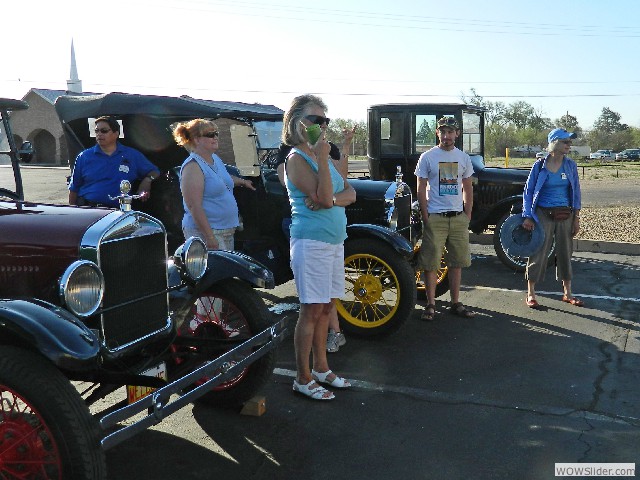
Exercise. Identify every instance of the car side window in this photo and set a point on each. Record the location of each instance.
(471, 137)
(424, 133)
(391, 133)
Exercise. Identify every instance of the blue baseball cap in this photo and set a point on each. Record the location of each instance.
(560, 134)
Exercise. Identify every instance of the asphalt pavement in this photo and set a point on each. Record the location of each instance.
(505, 395)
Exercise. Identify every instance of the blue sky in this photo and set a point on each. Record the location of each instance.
(574, 56)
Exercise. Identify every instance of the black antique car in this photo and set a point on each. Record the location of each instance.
(381, 291)
(400, 133)
(92, 306)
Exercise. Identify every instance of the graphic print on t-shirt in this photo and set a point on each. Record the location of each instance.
(448, 178)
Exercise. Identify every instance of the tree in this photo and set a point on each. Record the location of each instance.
(569, 123)
(609, 122)
(609, 132)
(335, 134)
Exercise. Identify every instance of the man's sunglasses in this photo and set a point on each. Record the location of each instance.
(318, 119)
(102, 130)
(210, 134)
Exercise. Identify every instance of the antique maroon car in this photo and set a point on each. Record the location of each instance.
(92, 306)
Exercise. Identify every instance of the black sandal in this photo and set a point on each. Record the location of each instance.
(428, 313)
(460, 310)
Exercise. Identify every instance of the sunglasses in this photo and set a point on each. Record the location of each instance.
(102, 130)
(210, 134)
(318, 119)
(566, 142)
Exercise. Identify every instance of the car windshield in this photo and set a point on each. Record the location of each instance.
(6, 173)
(268, 134)
(4, 142)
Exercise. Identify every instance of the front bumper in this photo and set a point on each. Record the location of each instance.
(159, 405)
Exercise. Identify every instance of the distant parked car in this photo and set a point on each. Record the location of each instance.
(628, 154)
(541, 155)
(601, 155)
(524, 150)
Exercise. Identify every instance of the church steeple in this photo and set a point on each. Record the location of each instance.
(74, 84)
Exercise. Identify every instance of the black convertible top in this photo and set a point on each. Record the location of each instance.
(73, 107)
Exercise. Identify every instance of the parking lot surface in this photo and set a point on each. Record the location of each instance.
(504, 395)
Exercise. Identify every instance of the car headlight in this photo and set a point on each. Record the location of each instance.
(82, 288)
(191, 258)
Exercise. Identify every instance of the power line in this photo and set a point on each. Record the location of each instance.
(458, 24)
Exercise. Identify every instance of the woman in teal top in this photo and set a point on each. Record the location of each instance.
(318, 194)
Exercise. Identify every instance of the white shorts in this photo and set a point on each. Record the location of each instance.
(318, 270)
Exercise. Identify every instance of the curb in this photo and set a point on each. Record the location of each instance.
(579, 245)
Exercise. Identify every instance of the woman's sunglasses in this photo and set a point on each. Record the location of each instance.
(318, 119)
(210, 134)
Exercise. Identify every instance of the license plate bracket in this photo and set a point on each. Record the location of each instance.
(136, 392)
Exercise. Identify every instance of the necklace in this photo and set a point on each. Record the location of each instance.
(211, 165)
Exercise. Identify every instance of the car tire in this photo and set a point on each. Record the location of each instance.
(46, 430)
(227, 311)
(380, 292)
(517, 264)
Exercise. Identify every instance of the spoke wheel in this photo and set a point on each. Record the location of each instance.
(442, 280)
(228, 311)
(46, 430)
(380, 289)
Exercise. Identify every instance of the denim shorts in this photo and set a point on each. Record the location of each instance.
(318, 270)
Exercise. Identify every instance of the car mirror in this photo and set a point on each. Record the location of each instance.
(26, 152)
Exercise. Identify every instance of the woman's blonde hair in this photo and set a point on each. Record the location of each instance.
(553, 146)
(293, 131)
(185, 132)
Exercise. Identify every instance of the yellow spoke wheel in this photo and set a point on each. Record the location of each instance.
(380, 289)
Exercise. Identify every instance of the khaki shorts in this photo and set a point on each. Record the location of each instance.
(440, 232)
(224, 237)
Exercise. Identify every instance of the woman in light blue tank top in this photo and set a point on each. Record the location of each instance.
(318, 194)
(210, 209)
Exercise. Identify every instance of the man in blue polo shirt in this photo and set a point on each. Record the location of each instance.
(99, 170)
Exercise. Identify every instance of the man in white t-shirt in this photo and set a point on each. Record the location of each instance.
(445, 195)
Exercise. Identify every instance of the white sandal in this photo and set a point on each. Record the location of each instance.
(317, 393)
(337, 382)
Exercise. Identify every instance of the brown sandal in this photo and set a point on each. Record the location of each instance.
(460, 310)
(428, 313)
(573, 301)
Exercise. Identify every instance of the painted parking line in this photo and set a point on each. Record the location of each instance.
(468, 288)
(473, 399)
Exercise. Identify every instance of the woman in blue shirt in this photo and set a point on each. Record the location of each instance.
(318, 194)
(210, 209)
(552, 201)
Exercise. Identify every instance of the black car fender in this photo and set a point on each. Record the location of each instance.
(223, 264)
(512, 204)
(399, 243)
(54, 332)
